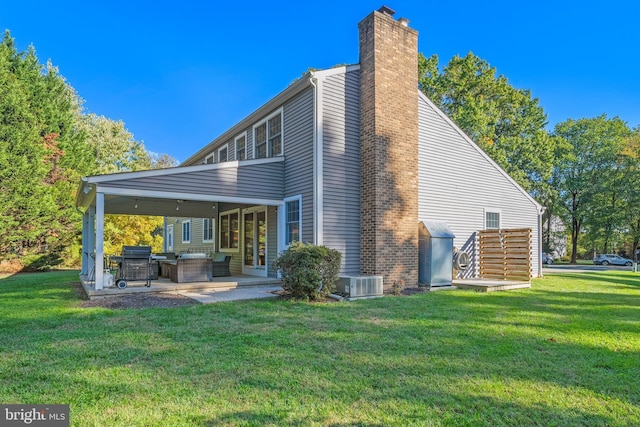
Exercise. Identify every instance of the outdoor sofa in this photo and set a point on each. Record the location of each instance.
(197, 267)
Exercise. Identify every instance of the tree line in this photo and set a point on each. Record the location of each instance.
(47, 143)
(585, 171)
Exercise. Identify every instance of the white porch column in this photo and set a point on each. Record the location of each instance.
(91, 241)
(282, 228)
(99, 240)
(85, 244)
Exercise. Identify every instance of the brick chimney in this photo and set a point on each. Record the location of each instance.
(388, 148)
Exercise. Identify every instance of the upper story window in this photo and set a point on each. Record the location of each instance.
(491, 219)
(275, 136)
(241, 147)
(267, 136)
(223, 153)
(209, 159)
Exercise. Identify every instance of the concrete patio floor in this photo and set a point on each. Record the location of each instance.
(225, 288)
(208, 296)
(488, 285)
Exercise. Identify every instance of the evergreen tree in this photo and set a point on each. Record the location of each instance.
(46, 144)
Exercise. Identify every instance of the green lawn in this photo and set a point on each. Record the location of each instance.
(565, 352)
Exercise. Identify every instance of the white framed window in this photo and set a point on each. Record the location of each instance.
(207, 230)
(492, 219)
(223, 153)
(229, 226)
(267, 136)
(293, 219)
(241, 147)
(209, 159)
(186, 231)
(260, 140)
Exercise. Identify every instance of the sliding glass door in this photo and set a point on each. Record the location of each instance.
(254, 247)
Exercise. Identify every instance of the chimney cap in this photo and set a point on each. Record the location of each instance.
(387, 10)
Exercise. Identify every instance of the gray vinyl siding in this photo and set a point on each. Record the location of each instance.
(341, 164)
(298, 152)
(218, 181)
(457, 183)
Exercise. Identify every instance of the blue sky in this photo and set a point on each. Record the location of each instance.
(181, 73)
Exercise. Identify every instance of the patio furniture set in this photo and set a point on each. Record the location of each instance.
(195, 267)
(137, 263)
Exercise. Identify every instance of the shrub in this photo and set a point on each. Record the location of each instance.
(308, 271)
(397, 287)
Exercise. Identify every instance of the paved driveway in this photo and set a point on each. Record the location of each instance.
(579, 268)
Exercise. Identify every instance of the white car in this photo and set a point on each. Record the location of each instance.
(613, 259)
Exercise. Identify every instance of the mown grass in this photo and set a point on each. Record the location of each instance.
(565, 352)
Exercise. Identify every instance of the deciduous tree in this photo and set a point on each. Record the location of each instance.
(587, 174)
(116, 150)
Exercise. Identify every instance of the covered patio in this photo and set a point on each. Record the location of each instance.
(194, 191)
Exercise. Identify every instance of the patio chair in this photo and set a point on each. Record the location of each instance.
(221, 265)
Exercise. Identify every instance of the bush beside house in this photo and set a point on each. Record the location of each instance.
(308, 271)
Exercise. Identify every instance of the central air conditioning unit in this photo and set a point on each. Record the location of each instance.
(360, 286)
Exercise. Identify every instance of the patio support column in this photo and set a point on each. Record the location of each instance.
(85, 244)
(282, 228)
(99, 240)
(91, 240)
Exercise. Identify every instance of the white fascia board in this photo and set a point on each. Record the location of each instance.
(480, 150)
(335, 71)
(84, 198)
(130, 192)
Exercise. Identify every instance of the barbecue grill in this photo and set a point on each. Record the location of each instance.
(134, 264)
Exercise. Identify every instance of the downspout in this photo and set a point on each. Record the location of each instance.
(83, 261)
(318, 178)
(539, 255)
(164, 234)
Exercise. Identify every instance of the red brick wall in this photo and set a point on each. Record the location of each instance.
(389, 149)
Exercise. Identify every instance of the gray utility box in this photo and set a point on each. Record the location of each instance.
(435, 251)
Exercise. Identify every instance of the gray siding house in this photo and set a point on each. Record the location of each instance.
(352, 157)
